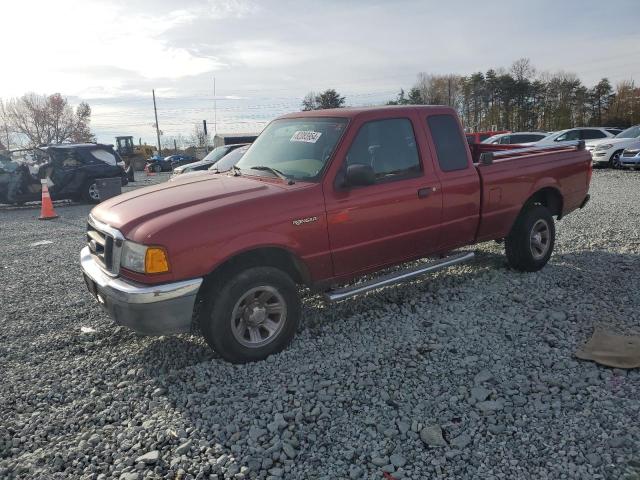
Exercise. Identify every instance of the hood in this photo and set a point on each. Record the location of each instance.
(188, 192)
(611, 140)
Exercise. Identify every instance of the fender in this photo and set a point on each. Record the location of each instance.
(246, 243)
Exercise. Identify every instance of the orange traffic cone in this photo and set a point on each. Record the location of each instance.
(47, 212)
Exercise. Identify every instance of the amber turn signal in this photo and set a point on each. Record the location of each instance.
(156, 261)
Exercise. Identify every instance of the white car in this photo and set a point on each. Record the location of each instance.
(580, 133)
(608, 151)
(630, 158)
(519, 138)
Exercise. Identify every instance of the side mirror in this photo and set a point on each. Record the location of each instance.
(359, 175)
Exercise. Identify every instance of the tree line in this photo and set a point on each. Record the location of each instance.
(519, 99)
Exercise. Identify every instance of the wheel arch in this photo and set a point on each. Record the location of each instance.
(263, 256)
(549, 197)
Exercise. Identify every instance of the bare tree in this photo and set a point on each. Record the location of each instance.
(198, 137)
(6, 131)
(309, 102)
(173, 142)
(45, 120)
(522, 69)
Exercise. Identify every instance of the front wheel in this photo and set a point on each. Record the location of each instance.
(614, 161)
(530, 243)
(251, 314)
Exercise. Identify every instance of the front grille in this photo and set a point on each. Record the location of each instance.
(101, 246)
(105, 244)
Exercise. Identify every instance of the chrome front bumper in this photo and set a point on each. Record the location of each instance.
(147, 309)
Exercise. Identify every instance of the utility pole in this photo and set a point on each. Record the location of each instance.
(215, 109)
(155, 112)
(175, 146)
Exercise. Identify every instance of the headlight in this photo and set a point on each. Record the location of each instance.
(605, 146)
(143, 259)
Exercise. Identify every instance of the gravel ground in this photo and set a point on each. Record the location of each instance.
(469, 374)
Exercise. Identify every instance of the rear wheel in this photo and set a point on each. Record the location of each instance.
(251, 314)
(90, 193)
(531, 240)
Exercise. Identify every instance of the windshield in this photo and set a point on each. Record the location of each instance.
(631, 132)
(216, 154)
(229, 160)
(297, 147)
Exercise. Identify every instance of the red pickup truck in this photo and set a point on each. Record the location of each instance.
(320, 199)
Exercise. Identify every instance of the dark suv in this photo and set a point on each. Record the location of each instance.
(71, 168)
(179, 160)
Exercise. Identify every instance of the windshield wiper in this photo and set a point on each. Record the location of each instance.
(275, 172)
(236, 170)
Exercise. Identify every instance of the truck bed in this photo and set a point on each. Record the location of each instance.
(515, 174)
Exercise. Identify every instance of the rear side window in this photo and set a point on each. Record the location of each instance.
(591, 134)
(104, 156)
(388, 146)
(526, 138)
(450, 148)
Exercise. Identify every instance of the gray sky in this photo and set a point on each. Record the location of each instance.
(266, 55)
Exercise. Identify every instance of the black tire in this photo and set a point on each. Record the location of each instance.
(523, 251)
(614, 161)
(89, 190)
(130, 175)
(124, 180)
(222, 333)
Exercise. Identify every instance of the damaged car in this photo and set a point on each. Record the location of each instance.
(71, 171)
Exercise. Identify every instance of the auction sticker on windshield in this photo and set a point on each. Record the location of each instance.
(306, 136)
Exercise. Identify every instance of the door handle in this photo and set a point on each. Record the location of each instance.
(425, 192)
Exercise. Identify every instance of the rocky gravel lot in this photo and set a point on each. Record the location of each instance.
(469, 373)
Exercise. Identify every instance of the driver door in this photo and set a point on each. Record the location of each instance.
(396, 218)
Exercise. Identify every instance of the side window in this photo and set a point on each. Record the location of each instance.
(570, 135)
(104, 156)
(387, 146)
(450, 149)
(591, 134)
(524, 138)
(68, 158)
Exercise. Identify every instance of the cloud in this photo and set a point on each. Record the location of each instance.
(270, 53)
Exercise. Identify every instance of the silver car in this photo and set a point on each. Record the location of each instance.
(630, 158)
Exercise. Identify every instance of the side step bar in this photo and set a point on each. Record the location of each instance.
(396, 277)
